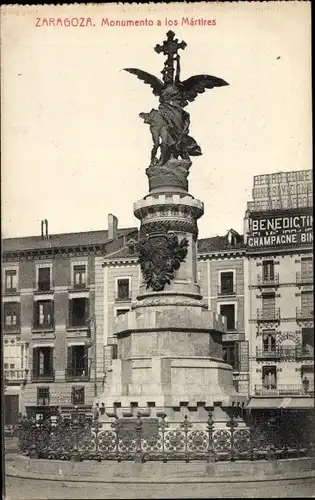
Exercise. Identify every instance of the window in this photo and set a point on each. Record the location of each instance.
(307, 302)
(228, 351)
(43, 396)
(228, 310)
(269, 305)
(44, 314)
(78, 361)
(268, 267)
(12, 366)
(119, 312)
(123, 289)
(77, 396)
(10, 280)
(306, 267)
(227, 283)
(43, 362)
(79, 276)
(6, 366)
(43, 283)
(269, 340)
(11, 315)
(308, 339)
(79, 312)
(269, 377)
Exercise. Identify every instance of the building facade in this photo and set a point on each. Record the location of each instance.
(278, 275)
(53, 318)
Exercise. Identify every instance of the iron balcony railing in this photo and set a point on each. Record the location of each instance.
(304, 278)
(123, 297)
(304, 313)
(44, 286)
(47, 325)
(279, 352)
(270, 281)
(11, 291)
(75, 373)
(282, 390)
(268, 315)
(284, 353)
(84, 285)
(48, 376)
(12, 328)
(226, 290)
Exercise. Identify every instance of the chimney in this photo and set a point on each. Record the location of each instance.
(112, 227)
(44, 229)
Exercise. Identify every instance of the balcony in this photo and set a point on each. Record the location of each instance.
(77, 325)
(77, 287)
(15, 375)
(12, 328)
(268, 315)
(43, 287)
(304, 314)
(268, 281)
(49, 376)
(77, 374)
(304, 279)
(44, 327)
(277, 353)
(123, 298)
(283, 390)
(11, 291)
(302, 353)
(226, 291)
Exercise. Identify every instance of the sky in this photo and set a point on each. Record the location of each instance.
(73, 146)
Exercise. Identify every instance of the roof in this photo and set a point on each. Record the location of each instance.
(207, 245)
(62, 240)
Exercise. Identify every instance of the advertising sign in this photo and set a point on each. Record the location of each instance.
(272, 231)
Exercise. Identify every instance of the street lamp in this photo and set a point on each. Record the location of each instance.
(306, 384)
(89, 342)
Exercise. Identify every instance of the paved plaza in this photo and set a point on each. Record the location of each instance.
(29, 489)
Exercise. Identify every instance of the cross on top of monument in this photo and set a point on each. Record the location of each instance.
(170, 49)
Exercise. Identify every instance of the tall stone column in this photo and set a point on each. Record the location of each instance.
(170, 343)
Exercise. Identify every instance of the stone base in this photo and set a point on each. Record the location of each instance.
(169, 358)
(155, 472)
(171, 177)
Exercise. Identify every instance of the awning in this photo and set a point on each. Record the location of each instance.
(285, 403)
(265, 403)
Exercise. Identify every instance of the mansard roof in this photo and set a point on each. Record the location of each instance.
(63, 240)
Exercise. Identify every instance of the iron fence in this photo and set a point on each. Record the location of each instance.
(142, 439)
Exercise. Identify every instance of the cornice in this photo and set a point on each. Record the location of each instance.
(51, 253)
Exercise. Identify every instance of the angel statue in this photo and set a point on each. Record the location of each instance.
(169, 124)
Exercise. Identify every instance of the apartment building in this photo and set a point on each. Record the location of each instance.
(279, 307)
(53, 318)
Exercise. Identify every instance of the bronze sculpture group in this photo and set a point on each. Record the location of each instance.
(169, 124)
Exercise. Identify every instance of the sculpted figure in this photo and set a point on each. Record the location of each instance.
(169, 124)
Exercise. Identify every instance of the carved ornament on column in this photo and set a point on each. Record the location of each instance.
(160, 256)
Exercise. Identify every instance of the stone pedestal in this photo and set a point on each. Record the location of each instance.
(169, 344)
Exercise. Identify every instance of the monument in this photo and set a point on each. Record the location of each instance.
(170, 344)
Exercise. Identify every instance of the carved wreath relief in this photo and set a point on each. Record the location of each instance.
(160, 256)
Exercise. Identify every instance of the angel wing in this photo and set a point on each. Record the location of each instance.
(154, 82)
(198, 84)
